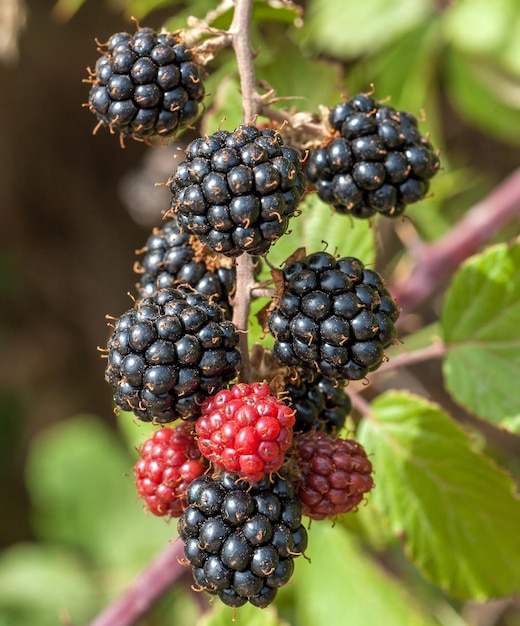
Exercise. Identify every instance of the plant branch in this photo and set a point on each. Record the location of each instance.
(240, 31)
(241, 306)
(437, 261)
(146, 589)
(434, 351)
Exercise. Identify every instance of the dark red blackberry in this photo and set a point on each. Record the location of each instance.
(171, 259)
(335, 474)
(245, 430)
(320, 402)
(146, 84)
(169, 462)
(168, 353)
(240, 538)
(374, 161)
(236, 191)
(334, 315)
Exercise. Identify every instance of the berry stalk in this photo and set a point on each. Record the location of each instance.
(437, 261)
(146, 589)
(240, 30)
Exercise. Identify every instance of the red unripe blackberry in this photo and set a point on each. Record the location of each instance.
(146, 84)
(335, 474)
(334, 315)
(171, 258)
(245, 430)
(241, 538)
(237, 190)
(169, 462)
(168, 353)
(374, 161)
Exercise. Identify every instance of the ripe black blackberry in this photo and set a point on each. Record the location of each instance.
(334, 315)
(241, 538)
(146, 84)
(237, 190)
(320, 402)
(168, 353)
(171, 259)
(374, 161)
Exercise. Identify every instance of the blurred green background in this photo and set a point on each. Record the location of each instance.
(75, 207)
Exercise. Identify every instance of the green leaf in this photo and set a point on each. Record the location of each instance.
(226, 108)
(348, 29)
(456, 512)
(343, 585)
(319, 227)
(480, 322)
(80, 480)
(491, 20)
(38, 583)
(484, 95)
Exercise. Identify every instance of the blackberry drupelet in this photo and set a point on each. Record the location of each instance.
(335, 315)
(375, 160)
(240, 538)
(146, 84)
(245, 430)
(171, 259)
(168, 353)
(320, 402)
(335, 474)
(237, 190)
(168, 463)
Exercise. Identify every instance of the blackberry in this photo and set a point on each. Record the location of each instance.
(171, 258)
(320, 402)
(241, 538)
(146, 84)
(236, 191)
(245, 430)
(335, 315)
(374, 161)
(335, 474)
(168, 462)
(168, 353)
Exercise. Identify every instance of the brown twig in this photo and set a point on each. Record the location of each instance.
(145, 590)
(240, 31)
(437, 261)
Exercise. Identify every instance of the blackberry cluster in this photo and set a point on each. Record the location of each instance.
(168, 463)
(241, 538)
(146, 84)
(237, 190)
(171, 258)
(320, 403)
(375, 161)
(335, 315)
(170, 352)
(335, 475)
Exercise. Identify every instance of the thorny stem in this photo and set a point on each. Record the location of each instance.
(240, 31)
(437, 261)
(145, 590)
(434, 351)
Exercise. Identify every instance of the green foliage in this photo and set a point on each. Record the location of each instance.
(480, 325)
(447, 502)
(357, 590)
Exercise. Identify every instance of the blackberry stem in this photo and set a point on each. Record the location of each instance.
(240, 30)
(146, 589)
(437, 261)
(434, 351)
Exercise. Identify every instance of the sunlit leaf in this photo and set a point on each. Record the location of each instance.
(455, 511)
(480, 322)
